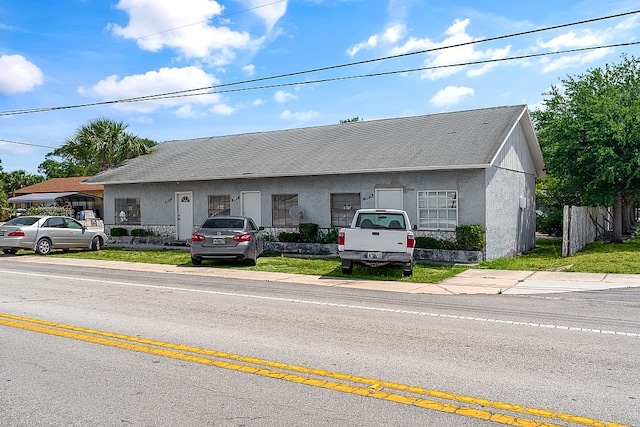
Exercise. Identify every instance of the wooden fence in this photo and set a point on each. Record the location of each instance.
(582, 225)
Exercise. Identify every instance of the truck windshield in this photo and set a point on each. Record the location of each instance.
(378, 220)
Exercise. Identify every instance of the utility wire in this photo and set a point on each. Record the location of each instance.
(190, 92)
(181, 94)
(26, 143)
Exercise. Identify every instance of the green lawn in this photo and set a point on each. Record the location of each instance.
(598, 257)
(422, 273)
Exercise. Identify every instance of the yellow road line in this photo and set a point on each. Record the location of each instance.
(373, 387)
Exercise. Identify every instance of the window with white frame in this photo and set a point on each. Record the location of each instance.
(343, 208)
(219, 205)
(438, 210)
(280, 206)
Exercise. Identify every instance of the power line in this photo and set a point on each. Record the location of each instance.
(190, 92)
(26, 143)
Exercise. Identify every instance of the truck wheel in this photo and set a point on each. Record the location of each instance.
(408, 270)
(347, 267)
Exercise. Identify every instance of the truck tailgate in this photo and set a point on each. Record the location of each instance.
(381, 240)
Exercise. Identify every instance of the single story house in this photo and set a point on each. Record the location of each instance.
(70, 192)
(447, 169)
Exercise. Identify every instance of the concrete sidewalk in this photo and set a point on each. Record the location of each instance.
(472, 281)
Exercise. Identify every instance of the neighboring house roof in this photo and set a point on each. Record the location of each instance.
(47, 197)
(57, 185)
(456, 140)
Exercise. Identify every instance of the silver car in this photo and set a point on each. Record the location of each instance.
(227, 238)
(42, 234)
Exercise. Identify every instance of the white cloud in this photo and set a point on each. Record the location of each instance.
(183, 26)
(270, 13)
(186, 112)
(223, 109)
(258, 102)
(282, 96)
(584, 39)
(165, 80)
(388, 37)
(456, 34)
(451, 95)
(572, 40)
(249, 70)
(18, 75)
(300, 117)
(575, 60)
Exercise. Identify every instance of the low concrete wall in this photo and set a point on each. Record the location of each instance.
(302, 248)
(310, 249)
(448, 256)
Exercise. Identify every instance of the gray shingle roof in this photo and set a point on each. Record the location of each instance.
(463, 139)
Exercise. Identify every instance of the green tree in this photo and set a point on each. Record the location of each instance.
(96, 146)
(590, 137)
(19, 179)
(355, 119)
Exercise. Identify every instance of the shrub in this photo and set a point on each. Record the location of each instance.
(289, 237)
(449, 245)
(329, 236)
(308, 232)
(426, 242)
(470, 237)
(50, 210)
(140, 232)
(118, 232)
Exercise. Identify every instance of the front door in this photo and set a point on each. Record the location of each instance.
(184, 215)
(251, 207)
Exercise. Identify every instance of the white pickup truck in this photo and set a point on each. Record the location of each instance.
(377, 237)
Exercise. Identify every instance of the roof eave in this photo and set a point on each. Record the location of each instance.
(302, 173)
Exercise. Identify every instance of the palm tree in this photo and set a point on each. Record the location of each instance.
(99, 145)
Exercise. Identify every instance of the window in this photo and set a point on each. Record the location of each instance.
(438, 209)
(55, 222)
(219, 205)
(127, 211)
(280, 206)
(343, 207)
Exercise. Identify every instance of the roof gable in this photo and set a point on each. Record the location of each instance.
(455, 140)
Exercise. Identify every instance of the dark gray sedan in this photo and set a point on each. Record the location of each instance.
(227, 238)
(42, 234)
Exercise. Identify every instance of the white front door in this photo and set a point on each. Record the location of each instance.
(250, 206)
(389, 198)
(184, 215)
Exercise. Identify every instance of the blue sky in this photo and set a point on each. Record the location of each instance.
(61, 53)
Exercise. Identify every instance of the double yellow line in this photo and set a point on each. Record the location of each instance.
(435, 400)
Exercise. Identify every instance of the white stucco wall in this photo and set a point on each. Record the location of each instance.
(511, 222)
(158, 204)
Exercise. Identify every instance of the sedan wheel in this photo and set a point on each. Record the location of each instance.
(96, 244)
(10, 251)
(43, 247)
(196, 260)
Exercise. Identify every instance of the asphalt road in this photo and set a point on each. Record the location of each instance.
(105, 347)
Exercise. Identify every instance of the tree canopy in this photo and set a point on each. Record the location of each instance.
(96, 146)
(589, 132)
